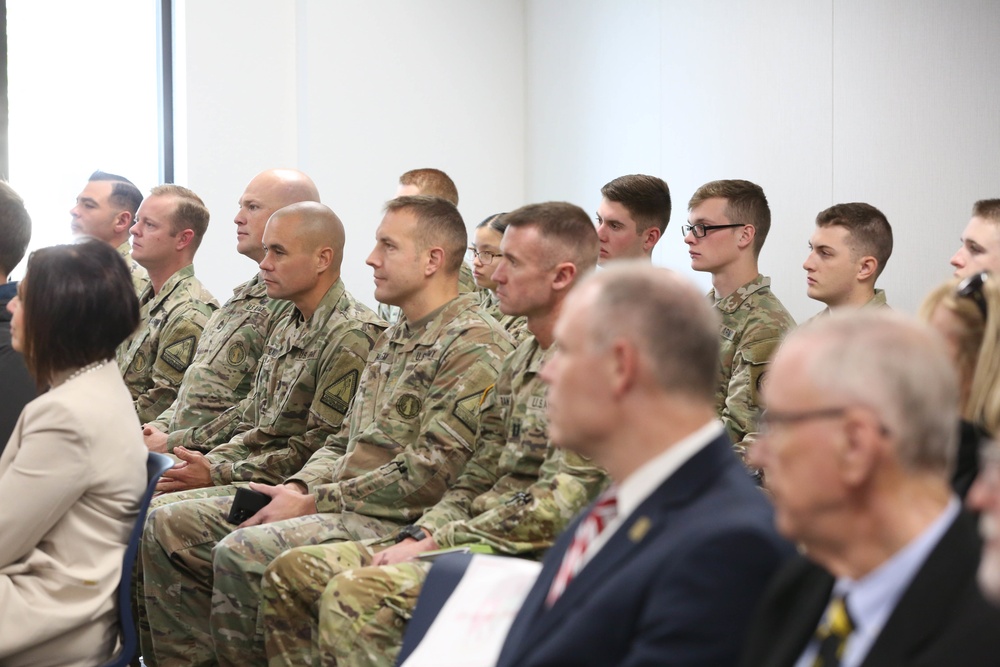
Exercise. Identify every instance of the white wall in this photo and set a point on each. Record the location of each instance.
(353, 94)
(820, 102)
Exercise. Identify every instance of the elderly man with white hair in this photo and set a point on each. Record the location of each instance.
(857, 447)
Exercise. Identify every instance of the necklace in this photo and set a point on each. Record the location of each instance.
(92, 366)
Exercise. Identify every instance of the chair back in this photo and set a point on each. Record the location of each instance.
(156, 465)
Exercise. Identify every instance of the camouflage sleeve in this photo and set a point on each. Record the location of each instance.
(322, 465)
(223, 429)
(162, 423)
(743, 404)
(529, 521)
(433, 457)
(480, 473)
(336, 382)
(177, 343)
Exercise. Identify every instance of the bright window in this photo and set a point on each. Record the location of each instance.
(83, 96)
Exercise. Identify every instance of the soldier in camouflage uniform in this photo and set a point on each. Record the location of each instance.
(632, 217)
(407, 436)
(728, 222)
(847, 253)
(222, 372)
(174, 307)
(515, 496)
(484, 254)
(433, 183)
(106, 210)
(308, 372)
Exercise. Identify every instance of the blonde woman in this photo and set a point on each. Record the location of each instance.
(967, 315)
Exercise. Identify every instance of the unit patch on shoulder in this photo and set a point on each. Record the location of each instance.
(339, 394)
(236, 354)
(178, 355)
(467, 411)
(139, 362)
(408, 406)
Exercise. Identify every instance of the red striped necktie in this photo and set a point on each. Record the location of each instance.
(601, 514)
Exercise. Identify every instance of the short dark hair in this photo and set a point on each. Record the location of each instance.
(438, 224)
(78, 303)
(988, 209)
(646, 198)
(870, 233)
(124, 194)
(565, 223)
(191, 212)
(15, 228)
(433, 182)
(745, 205)
(495, 222)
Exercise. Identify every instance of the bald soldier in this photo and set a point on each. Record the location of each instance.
(409, 433)
(308, 371)
(233, 341)
(174, 307)
(516, 495)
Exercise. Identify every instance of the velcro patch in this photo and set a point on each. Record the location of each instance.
(728, 333)
(408, 406)
(236, 354)
(467, 410)
(179, 355)
(139, 362)
(339, 394)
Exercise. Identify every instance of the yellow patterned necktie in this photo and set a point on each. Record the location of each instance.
(832, 634)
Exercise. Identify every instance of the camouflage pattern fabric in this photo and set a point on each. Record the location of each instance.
(222, 372)
(307, 379)
(139, 276)
(153, 359)
(516, 495)
(516, 326)
(412, 423)
(753, 324)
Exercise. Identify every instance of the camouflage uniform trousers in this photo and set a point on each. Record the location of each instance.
(138, 595)
(201, 576)
(327, 605)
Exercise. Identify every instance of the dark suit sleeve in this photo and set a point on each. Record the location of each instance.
(699, 606)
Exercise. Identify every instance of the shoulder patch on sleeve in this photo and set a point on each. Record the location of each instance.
(178, 355)
(467, 410)
(339, 394)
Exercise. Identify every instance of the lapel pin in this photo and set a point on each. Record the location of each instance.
(639, 529)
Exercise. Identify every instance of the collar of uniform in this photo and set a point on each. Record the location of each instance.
(155, 301)
(732, 303)
(425, 330)
(317, 323)
(125, 250)
(255, 288)
(878, 299)
(539, 357)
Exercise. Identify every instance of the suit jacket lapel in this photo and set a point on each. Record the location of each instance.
(804, 607)
(628, 540)
(923, 609)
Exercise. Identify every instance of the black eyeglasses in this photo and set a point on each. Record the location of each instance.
(972, 288)
(769, 419)
(701, 230)
(484, 256)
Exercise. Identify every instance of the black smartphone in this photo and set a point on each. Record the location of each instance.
(246, 503)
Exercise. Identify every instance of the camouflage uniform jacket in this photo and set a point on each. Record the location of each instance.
(139, 276)
(222, 372)
(413, 425)
(307, 378)
(466, 283)
(516, 326)
(753, 324)
(518, 492)
(877, 301)
(153, 360)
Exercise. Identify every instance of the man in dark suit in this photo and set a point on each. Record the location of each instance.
(667, 568)
(858, 444)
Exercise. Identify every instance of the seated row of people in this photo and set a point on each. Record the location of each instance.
(399, 436)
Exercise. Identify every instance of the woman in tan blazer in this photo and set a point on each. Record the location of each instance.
(74, 469)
